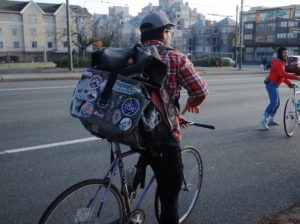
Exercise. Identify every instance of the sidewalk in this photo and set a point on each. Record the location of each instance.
(7, 75)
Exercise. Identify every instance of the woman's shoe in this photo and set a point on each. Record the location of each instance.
(263, 125)
(273, 122)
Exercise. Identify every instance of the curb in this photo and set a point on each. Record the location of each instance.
(75, 75)
(35, 77)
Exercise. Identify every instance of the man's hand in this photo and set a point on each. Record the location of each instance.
(189, 108)
(182, 122)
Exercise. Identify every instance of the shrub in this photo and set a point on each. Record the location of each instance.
(62, 62)
(210, 62)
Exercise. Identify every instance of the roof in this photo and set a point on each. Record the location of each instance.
(198, 24)
(81, 11)
(15, 6)
(12, 6)
(226, 22)
(49, 8)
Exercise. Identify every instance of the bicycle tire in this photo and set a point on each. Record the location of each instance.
(193, 175)
(290, 118)
(71, 205)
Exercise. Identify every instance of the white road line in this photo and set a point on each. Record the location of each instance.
(49, 145)
(234, 79)
(37, 88)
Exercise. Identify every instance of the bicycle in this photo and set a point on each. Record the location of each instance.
(291, 118)
(100, 201)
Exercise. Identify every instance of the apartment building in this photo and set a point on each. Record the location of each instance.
(265, 29)
(215, 40)
(31, 31)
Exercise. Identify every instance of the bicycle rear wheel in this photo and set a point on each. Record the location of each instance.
(81, 203)
(191, 186)
(290, 119)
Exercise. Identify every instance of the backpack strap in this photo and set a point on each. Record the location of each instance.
(108, 88)
(113, 77)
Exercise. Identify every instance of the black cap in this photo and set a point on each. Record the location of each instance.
(154, 21)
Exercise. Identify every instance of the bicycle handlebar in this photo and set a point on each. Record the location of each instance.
(199, 125)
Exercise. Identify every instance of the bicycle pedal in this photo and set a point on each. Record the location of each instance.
(137, 216)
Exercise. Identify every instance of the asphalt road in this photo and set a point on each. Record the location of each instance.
(248, 173)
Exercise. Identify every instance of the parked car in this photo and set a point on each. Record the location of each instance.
(293, 64)
(228, 61)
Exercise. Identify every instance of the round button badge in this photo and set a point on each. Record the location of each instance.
(125, 124)
(130, 106)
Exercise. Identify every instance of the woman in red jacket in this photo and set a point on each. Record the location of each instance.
(276, 76)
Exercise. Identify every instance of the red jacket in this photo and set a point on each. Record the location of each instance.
(278, 75)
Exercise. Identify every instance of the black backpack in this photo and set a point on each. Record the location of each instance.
(113, 97)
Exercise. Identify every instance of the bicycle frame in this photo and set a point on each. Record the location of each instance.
(294, 98)
(111, 173)
(291, 114)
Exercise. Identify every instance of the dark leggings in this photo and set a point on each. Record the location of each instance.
(167, 168)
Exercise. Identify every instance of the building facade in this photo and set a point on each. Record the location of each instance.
(265, 29)
(31, 31)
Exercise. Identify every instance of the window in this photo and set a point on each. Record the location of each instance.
(291, 35)
(16, 44)
(260, 27)
(281, 35)
(271, 38)
(33, 32)
(50, 45)
(65, 32)
(1, 44)
(0, 30)
(283, 24)
(33, 18)
(14, 31)
(248, 37)
(292, 23)
(271, 27)
(65, 44)
(34, 44)
(249, 26)
(259, 38)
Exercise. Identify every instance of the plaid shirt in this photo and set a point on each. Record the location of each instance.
(181, 73)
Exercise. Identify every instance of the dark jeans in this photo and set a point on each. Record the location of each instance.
(167, 167)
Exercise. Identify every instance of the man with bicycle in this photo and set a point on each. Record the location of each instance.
(156, 30)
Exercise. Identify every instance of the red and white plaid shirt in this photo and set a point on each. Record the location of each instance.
(181, 73)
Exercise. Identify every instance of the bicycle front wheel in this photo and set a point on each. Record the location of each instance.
(290, 118)
(89, 201)
(191, 186)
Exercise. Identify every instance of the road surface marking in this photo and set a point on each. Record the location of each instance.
(37, 88)
(25, 149)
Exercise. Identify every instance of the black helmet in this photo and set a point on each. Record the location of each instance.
(155, 20)
(279, 52)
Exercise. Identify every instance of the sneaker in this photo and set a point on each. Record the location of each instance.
(273, 122)
(263, 125)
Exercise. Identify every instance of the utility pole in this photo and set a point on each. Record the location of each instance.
(236, 35)
(70, 59)
(77, 31)
(241, 35)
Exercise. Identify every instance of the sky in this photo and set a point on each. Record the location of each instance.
(215, 10)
